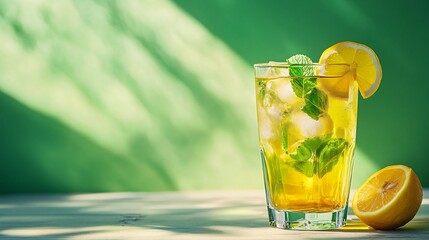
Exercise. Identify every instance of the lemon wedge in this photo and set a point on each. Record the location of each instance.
(388, 199)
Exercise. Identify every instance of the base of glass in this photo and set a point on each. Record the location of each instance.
(307, 221)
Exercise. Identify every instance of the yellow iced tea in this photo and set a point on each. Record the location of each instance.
(307, 139)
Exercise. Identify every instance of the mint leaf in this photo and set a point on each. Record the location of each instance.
(262, 85)
(284, 139)
(314, 143)
(301, 65)
(302, 86)
(329, 153)
(315, 103)
(300, 59)
(304, 167)
(303, 153)
(308, 148)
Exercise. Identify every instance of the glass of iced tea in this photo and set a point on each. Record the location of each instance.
(307, 137)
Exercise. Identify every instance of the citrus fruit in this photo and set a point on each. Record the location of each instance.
(390, 198)
(364, 65)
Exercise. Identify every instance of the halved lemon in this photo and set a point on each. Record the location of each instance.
(388, 199)
(364, 64)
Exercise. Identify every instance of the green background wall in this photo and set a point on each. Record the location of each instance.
(157, 95)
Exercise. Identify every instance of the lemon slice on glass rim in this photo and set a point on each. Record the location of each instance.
(364, 64)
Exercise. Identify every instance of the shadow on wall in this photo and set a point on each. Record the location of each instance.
(156, 95)
(41, 154)
(119, 96)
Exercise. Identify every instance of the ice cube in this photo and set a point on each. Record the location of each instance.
(282, 91)
(270, 85)
(268, 100)
(265, 126)
(285, 92)
(275, 111)
(268, 96)
(278, 70)
(276, 108)
(271, 72)
(266, 130)
(303, 125)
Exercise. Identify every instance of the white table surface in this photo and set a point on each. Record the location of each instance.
(169, 215)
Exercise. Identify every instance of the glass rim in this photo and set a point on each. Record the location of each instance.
(286, 65)
(321, 70)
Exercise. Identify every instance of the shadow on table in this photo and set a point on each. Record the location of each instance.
(416, 229)
(414, 226)
(107, 215)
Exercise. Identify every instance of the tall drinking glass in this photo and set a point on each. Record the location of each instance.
(307, 133)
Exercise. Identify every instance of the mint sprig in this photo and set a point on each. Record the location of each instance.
(316, 101)
(318, 155)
